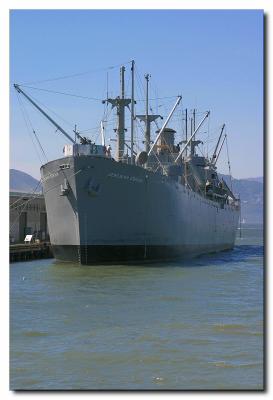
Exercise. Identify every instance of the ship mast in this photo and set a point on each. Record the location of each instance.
(147, 118)
(120, 103)
(194, 142)
(186, 139)
(132, 110)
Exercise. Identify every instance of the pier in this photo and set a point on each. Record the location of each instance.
(31, 251)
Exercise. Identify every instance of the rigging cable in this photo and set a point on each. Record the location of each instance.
(142, 92)
(140, 84)
(89, 97)
(169, 148)
(23, 195)
(158, 98)
(34, 132)
(28, 127)
(62, 93)
(57, 115)
(79, 73)
(24, 207)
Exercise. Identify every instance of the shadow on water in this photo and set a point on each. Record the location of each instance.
(238, 254)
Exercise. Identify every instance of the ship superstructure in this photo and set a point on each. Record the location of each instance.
(163, 202)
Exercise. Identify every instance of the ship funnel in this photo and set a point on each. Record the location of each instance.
(166, 140)
(141, 158)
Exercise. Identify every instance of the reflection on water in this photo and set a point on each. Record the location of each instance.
(195, 324)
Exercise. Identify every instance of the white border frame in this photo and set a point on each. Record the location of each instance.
(5, 6)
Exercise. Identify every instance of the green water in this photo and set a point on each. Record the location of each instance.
(183, 325)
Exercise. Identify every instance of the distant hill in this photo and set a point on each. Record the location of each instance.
(22, 182)
(258, 179)
(251, 194)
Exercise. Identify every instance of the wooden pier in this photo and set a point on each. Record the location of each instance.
(31, 251)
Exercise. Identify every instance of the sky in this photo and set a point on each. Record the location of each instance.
(214, 59)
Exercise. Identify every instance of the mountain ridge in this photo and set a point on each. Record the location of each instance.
(20, 181)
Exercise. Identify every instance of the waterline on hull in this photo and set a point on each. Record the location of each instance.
(112, 254)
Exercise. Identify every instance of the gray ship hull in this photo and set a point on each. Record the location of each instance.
(103, 211)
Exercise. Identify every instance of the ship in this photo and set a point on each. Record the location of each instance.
(163, 202)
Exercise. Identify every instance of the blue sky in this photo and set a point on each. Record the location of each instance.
(213, 58)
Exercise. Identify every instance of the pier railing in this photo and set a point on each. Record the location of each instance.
(31, 251)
